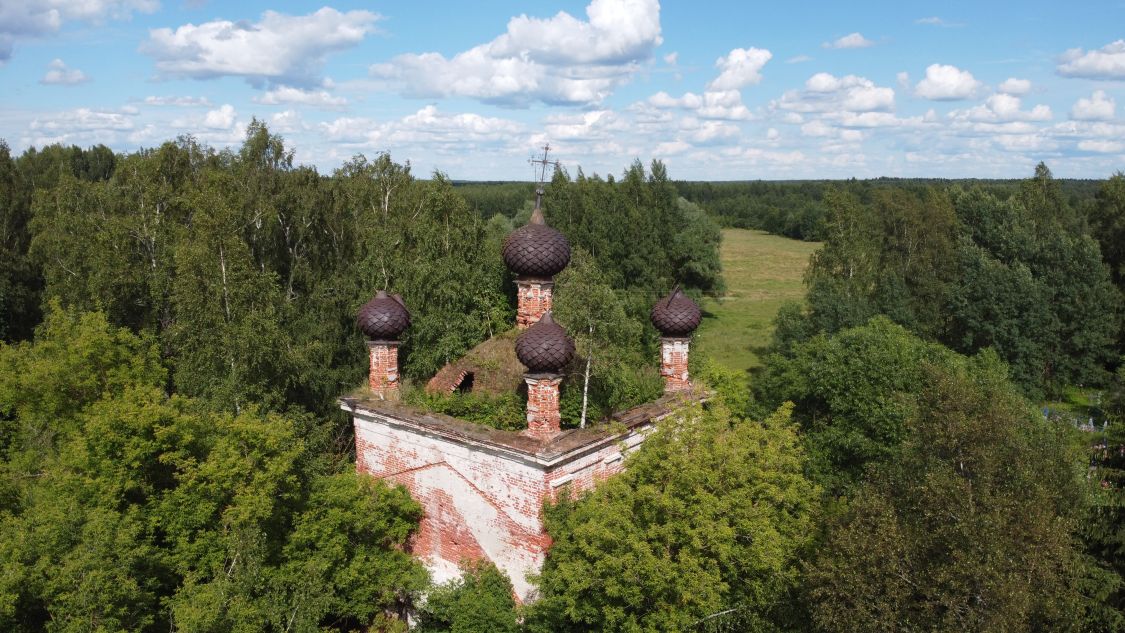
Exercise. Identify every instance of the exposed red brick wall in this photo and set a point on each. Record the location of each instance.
(534, 297)
(674, 364)
(479, 503)
(543, 418)
(383, 378)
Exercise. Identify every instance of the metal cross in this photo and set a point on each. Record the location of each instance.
(542, 164)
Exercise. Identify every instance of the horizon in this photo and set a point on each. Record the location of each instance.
(718, 92)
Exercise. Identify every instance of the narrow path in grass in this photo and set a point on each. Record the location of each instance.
(762, 271)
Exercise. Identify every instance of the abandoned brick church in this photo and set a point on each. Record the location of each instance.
(483, 489)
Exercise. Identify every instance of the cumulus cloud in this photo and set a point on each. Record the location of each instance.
(80, 125)
(851, 40)
(58, 74)
(1014, 86)
(672, 58)
(712, 104)
(1002, 108)
(740, 68)
(827, 93)
(1099, 107)
(1107, 62)
(947, 83)
(279, 48)
(221, 118)
(556, 60)
(316, 98)
(22, 19)
(427, 128)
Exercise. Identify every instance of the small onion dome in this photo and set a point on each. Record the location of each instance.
(545, 347)
(536, 250)
(676, 314)
(383, 318)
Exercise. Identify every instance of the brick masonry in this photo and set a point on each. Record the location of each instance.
(543, 417)
(383, 378)
(534, 299)
(481, 500)
(674, 363)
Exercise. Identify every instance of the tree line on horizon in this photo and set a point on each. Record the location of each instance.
(179, 321)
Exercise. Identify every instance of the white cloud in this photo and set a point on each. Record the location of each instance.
(286, 122)
(221, 118)
(798, 59)
(186, 102)
(1107, 62)
(84, 119)
(947, 83)
(1102, 147)
(772, 134)
(721, 104)
(827, 93)
(584, 126)
(315, 98)
(557, 60)
(1014, 86)
(21, 19)
(671, 148)
(1002, 108)
(740, 68)
(851, 40)
(58, 74)
(1098, 107)
(279, 48)
(671, 58)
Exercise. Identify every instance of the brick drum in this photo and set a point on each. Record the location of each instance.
(383, 378)
(543, 418)
(534, 297)
(674, 363)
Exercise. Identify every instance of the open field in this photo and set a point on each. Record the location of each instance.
(762, 271)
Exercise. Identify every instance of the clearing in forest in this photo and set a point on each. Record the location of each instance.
(762, 271)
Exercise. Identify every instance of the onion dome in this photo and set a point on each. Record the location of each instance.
(676, 314)
(383, 318)
(545, 347)
(536, 250)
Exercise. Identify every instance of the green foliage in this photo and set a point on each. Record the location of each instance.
(853, 395)
(972, 270)
(968, 528)
(1104, 529)
(609, 343)
(480, 601)
(506, 412)
(1108, 225)
(708, 518)
(122, 508)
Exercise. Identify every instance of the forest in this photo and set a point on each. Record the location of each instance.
(177, 324)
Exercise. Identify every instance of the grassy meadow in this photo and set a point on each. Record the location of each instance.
(762, 271)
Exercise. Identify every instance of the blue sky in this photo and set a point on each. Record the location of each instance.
(718, 90)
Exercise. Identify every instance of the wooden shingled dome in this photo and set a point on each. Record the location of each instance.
(385, 317)
(545, 347)
(536, 250)
(676, 314)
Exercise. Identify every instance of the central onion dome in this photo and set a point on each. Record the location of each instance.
(545, 347)
(383, 318)
(676, 314)
(535, 249)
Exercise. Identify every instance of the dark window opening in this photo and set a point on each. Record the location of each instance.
(466, 385)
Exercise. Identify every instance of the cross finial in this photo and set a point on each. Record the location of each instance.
(541, 164)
